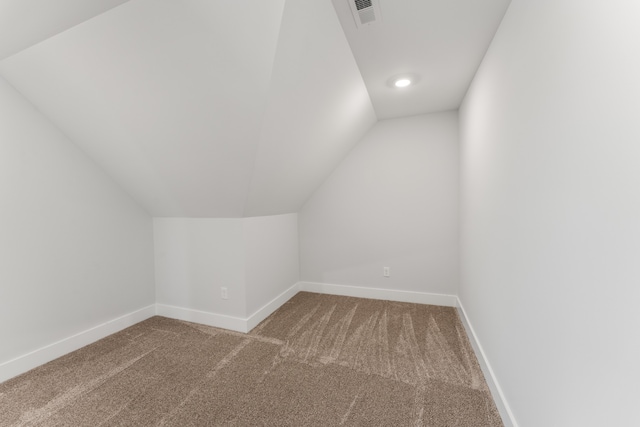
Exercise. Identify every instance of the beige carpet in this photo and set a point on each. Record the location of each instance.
(320, 360)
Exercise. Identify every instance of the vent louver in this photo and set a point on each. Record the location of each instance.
(365, 12)
(363, 4)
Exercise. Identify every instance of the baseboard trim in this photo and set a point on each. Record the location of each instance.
(257, 317)
(496, 391)
(239, 324)
(216, 320)
(380, 294)
(24, 363)
(203, 317)
(53, 351)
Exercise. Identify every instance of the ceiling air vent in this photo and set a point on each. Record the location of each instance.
(365, 12)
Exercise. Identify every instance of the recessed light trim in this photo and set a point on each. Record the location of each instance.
(403, 81)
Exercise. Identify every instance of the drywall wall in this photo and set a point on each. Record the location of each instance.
(75, 250)
(271, 258)
(393, 201)
(195, 258)
(550, 211)
(255, 259)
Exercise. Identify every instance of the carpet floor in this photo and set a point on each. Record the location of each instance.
(320, 360)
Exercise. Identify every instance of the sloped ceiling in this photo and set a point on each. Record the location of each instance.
(318, 109)
(24, 23)
(181, 101)
(207, 108)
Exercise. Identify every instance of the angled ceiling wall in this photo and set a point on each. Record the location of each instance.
(318, 108)
(222, 109)
(24, 23)
(204, 109)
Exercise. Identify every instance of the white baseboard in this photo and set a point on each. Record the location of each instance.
(380, 294)
(50, 352)
(496, 391)
(22, 364)
(272, 306)
(237, 324)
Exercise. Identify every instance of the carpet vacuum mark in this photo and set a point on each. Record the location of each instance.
(320, 360)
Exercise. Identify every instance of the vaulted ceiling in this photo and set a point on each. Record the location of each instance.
(217, 108)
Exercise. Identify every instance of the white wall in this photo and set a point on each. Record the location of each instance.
(195, 257)
(256, 259)
(550, 135)
(272, 263)
(393, 201)
(75, 251)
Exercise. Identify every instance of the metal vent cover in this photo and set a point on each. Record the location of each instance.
(362, 4)
(365, 12)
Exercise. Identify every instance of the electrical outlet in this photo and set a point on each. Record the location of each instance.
(223, 293)
(386, 271)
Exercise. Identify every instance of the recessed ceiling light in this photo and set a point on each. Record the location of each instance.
(402, 82)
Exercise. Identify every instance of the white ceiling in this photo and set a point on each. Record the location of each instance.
(441, 41)
(318, 109)
(24, 23)
(215, 108)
